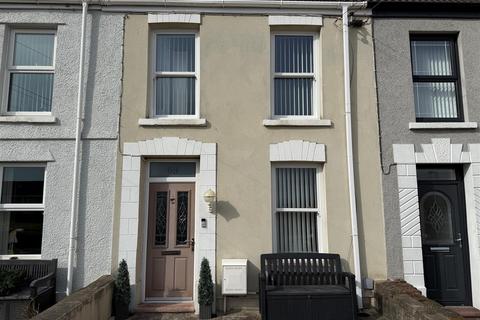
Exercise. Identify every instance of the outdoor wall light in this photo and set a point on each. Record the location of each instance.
(209, 198)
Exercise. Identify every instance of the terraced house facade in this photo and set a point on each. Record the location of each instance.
(428, 111)
(40, 54)
(244, 101)
(165, 132)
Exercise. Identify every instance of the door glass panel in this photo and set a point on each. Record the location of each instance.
(436, 219)
(182, 217)
(436, 174)
(172, 169)
(161, 219)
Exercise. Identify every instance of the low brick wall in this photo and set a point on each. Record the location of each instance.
(398, 300)
(93, 302)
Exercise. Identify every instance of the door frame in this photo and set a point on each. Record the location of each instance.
(148, 181)
(459, 182)
(439, 151)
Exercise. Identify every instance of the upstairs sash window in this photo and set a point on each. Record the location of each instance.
(175, 80)
(30, 71)
(436, 83)
(293, 75)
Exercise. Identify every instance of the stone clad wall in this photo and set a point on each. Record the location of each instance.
(93, 302)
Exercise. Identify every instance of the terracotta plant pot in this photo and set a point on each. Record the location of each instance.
(205, 311)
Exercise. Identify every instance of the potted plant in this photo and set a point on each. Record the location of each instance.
(12, 281)
(122, 292)
(205, 290)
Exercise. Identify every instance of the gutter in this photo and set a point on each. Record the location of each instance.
(350, 167)
(285, 4)
(77, 159)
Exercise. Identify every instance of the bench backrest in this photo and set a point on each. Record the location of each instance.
(284, 269)
(34, 268)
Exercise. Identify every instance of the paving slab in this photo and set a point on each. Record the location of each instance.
(234, 315)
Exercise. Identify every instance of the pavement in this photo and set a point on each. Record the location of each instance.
(234, 315)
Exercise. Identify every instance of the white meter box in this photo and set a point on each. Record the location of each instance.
(234, 276)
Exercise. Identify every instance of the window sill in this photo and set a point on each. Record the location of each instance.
(297, 123)
(28, 119)
(20, 256)
(442, 125)
(172, 122)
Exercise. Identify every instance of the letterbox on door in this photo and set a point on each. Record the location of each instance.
(234, 276)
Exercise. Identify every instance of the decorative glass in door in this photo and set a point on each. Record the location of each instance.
(436, 218)
(182, 217)
(161, 219)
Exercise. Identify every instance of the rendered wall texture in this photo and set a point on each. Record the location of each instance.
(235, 99)
(396, 105)
(54, 143)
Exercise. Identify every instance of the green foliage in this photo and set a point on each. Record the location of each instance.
(205, 284)
(11, 281)
(122, 284)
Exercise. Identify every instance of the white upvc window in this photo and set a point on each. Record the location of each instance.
(22, 198)
(296, 208)
(30, 72)
(175, 81)
(294, 75)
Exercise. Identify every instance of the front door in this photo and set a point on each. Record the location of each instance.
(170, 243)
(444, 235)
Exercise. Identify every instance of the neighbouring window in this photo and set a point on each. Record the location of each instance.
(21, 209)
(436, 82)
(293, 75)
(175, 75)
(296, 209)
(30, 71)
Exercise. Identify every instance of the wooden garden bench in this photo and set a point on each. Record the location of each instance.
(40, 293)
(306, 286)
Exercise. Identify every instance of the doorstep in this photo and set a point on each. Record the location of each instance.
(180, 307)
(465, 311)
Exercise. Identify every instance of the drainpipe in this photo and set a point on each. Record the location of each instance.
(350, 168)
(77, 160)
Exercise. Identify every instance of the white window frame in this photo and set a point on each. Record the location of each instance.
(320, 201)
(159, 74)
(10, 68)
(315, 75)
(22, 206)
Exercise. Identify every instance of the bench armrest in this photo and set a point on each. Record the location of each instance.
(46, 281)
(346, 278)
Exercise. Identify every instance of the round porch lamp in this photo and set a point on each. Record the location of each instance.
(209, 197)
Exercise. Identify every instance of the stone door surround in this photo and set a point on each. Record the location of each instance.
(130, 200)
(440, 151)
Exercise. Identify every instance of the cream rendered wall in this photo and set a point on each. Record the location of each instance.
(235, 99)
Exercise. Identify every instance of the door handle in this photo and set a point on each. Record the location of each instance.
(191, 242)
(459, 240)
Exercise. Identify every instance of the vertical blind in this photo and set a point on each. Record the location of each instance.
(175, 92)
(292, 91)
(296, 189)
(31, 90)
(435, 89)
(33, 49)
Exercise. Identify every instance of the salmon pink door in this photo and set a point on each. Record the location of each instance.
(170, 242)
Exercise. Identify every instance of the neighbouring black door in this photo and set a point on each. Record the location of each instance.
(444, 235)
